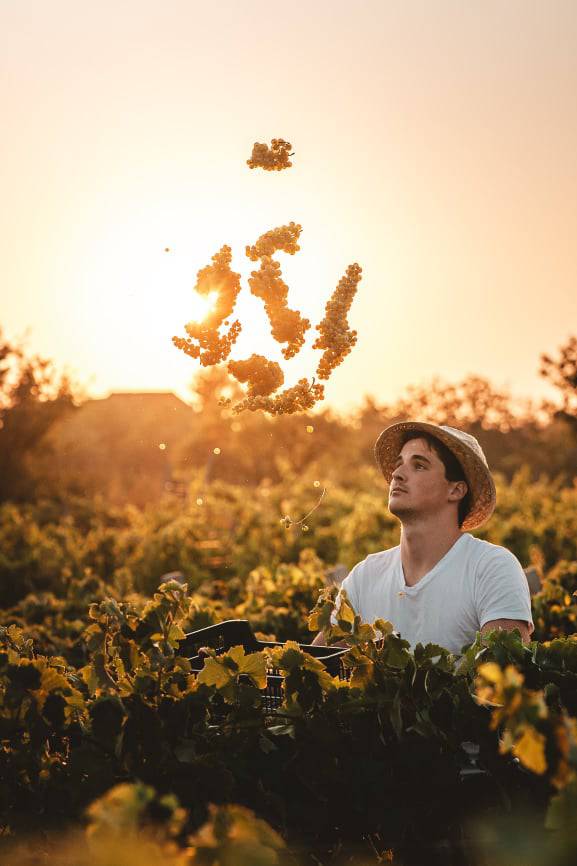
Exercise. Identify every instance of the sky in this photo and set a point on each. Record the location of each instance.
(434, 144)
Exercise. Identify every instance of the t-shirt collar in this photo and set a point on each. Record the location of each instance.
(426, 578)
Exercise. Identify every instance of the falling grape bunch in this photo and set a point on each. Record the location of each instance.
(273, 158)
(263, 377)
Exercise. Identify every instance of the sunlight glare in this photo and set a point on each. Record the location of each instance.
(201, 305)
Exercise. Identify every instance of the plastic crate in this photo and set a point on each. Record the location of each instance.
(238, 632)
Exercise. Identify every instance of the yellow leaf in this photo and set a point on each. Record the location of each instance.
(76, 700)
(345, 612)
(491, 672)
(14, 633)
(51, 680)
(176, 633)
(314, 621)
(530, 749)
(362, 672)
(513, 677)
(182, 664)
(89, 676)
(383, 626)
(119, 665)
(254, 666)
(236, 653)
(214, 674)
(365, 632)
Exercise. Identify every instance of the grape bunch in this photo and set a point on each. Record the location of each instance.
(283, 238)
(263, 376)
(287, 326)
(212, 348)
(299, 398)
(273, 158)
(335, 336)
(204, 340)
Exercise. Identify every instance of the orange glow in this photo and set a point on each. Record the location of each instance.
(201, 305)
(440, 157)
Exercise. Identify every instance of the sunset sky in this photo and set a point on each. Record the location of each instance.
(435, 144)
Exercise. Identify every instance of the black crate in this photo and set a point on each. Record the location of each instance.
(238, 632)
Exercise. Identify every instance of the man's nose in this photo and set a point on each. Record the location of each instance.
(398, 473)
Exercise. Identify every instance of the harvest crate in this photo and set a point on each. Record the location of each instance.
(238, 632)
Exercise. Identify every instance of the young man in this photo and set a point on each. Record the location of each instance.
(440, 585)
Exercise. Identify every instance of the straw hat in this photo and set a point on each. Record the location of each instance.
(467, 451)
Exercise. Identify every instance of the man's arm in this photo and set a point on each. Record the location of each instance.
(502, 594)
(507, 625)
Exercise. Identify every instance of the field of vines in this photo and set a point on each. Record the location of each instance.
(113, 750)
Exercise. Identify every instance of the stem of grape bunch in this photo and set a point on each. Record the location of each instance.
(288, 521)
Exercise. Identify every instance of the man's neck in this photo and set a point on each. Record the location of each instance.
(423, 545)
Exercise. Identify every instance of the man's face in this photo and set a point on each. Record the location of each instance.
(418, 484)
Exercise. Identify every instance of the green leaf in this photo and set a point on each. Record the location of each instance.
(396, 652)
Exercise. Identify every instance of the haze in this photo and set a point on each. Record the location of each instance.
(434, 144)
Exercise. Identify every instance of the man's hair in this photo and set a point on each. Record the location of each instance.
(453, 469)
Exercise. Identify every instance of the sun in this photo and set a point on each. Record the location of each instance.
(199, 306)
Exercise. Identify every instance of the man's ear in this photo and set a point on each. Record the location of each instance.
(458, 491)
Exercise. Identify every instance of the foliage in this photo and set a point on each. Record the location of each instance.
(96, 704)
(136, 711)
(555, 606)
(222, 535)
(32, 398)
(562, 372)
(111, 447)
(132, 823)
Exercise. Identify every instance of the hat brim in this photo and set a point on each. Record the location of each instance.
(479, 479)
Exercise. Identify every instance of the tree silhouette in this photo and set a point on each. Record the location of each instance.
(562, 372)
(32, 398)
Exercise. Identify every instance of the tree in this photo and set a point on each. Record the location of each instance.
(562, 372)
(32, 398)
(253, 447)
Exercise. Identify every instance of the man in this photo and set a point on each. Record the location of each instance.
(440, 585)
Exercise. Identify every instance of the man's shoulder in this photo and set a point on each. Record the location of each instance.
(486, 552)
(482, 547)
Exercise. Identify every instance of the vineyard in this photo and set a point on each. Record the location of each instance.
(253, 392)
(407, 757)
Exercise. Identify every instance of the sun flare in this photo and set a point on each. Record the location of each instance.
(201, 305)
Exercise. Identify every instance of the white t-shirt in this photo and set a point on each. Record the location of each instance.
(473, 583)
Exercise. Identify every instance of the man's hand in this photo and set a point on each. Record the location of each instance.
(321, 640)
